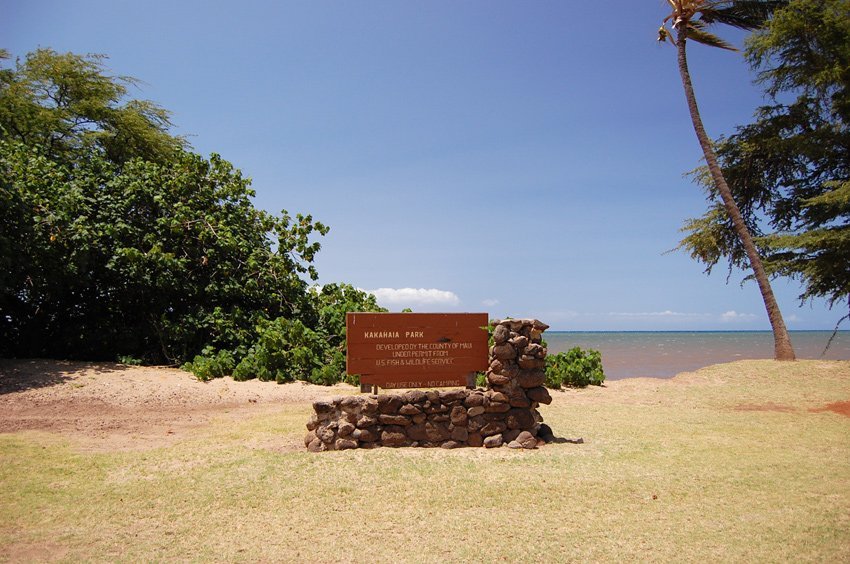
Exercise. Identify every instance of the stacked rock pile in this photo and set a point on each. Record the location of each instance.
(518, 362)
(504, 414)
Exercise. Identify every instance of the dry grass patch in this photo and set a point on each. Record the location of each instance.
(669, 470)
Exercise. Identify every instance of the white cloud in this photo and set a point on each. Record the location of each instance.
(793, 318)
(730, 316)
(733, 316)
(654, 314)
(559, 315)
(490, 302)
(404, 297)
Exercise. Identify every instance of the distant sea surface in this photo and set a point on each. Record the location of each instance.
(665, 354)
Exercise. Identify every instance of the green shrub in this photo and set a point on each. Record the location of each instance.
(576, 368)
(209, 364)
(129, 359)
(285, 350)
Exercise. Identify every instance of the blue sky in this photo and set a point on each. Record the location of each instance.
(522, 158)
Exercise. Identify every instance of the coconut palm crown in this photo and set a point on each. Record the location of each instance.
(690, 19)
(693, 17)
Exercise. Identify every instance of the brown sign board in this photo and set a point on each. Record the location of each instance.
(416, 350)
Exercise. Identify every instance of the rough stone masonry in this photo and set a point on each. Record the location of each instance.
(503, 414)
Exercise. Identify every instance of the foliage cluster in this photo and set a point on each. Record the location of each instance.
(286, 349)
(116, 241)
(574, 368)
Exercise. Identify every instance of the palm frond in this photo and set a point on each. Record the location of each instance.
(743, 14)
(664, 35)
(706, 38)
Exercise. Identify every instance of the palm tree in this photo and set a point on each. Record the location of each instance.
(689, 19)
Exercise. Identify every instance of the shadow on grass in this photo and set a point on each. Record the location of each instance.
(562, 440)
(18, 375)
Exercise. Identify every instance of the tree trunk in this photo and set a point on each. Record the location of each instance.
(782, 342)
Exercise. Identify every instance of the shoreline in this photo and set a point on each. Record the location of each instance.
(663, 354)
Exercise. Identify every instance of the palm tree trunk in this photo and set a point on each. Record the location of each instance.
(782, 342)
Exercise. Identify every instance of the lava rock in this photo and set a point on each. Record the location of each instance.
(503, 351)
(437, 432)
(496, 397)
(389, 404)
(497, 379)
(309, 438)
(493, 441)
(394, 420)
(350, 404)
(409, 409)
(460, 434)
(393, 436)
(345, 429)
(458, 415)
(527, 440)
(475, 411)
(317, 445)
(520, 419)
(501, 334)
(453, 395)
(345, 444)
(417, 432)
(531, 378)
(498, 408)
(494, 428)
(475, 440)
(475, 399)
(519, 342)
(366, 421)
(539, 394)
(323, 407)
(510, 435)
(365, 435)
(415, 396)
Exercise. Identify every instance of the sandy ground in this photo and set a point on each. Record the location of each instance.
(110, 406)
(107, 406)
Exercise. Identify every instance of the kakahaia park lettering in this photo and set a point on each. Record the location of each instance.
(392, 334)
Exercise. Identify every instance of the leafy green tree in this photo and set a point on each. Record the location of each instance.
(118, 242)
(790, 169)
(690, 19)
(145, 259)
(64, 103)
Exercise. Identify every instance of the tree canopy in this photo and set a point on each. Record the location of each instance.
(116, 241)
(789, 170)
(66, 102)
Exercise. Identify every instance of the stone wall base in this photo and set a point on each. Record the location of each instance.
(504, 414)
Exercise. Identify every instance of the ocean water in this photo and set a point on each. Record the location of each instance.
(664, 354)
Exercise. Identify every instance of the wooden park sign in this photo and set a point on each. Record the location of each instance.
(416, 350)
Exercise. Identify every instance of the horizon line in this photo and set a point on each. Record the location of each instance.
(692, 330)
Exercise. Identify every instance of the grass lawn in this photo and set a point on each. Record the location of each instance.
(736, 462)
